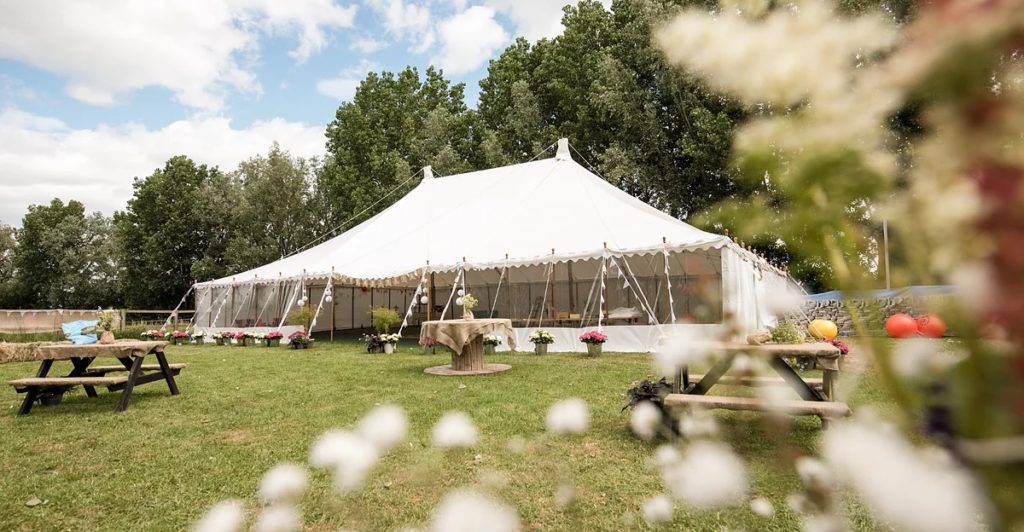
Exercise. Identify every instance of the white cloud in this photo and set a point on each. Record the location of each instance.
(42, 157)
(406, 21)
(344, 86)
(534, 19)
(197, 49)
(367, 45)
(468, 39)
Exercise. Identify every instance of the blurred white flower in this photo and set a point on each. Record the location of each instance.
(907, 488)
(278, 518)
(658, 509)
(682, 348)
(667, 455)
(570, 416)
(762, 507)
(225, 516)
(468, 511)
(283, 483)
(813, 472)
(918, 357)
(974, 287)
(645, 420)
(385, 426)
(784, 300)
(709, 475)
(823, 523)
(454, 430)
(565, 496)
(698, 424)
(348, 454)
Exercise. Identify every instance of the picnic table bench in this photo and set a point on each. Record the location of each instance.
(131, 354)
(817, 396)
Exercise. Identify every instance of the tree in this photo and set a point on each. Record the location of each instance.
(65, 258)
(175, 229)
(8, 248)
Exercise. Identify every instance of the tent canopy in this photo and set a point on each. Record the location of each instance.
(550, 210)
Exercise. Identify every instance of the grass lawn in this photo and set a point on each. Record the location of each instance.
(162, 463)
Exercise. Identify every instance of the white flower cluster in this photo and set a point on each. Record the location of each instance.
(469, 511)
(569, 416)
(454, 430)
(707, 475)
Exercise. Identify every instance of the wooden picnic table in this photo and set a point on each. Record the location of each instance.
(817, 396)
(131, 355)
(465, 338)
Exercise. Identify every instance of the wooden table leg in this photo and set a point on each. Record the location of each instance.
(168, 374)
(33, 392)
(472, 356)
(793, 379)
(828, 382)
(711, 377)
(81, 367)
(133, 374)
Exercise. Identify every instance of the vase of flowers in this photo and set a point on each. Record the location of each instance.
(257, 339)
(469, 302)
(541, 339)
(198, 337)
(390, 342)
(299, 340)
(594, 341)
(153, 334)
(222, 338)
(273, 338)
(429, 345)
(105, 324)
(179, 337)
(491, 341)
(241, 339)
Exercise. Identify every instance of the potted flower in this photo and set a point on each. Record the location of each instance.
(540, 340)
(491, 341)
(273, 338)
(223, 338)
(594, 341)
(299, 340)
(469, 302)
(105, 324)
(179, 337)
(198, 337)
(429, 345)
(153, 334)
(390, 342)
(241, 338)
(373, 343)
(257, 339)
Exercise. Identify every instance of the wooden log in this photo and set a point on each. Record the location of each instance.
(825, 409)
(472, 356)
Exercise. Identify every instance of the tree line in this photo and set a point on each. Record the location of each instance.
(644, 126)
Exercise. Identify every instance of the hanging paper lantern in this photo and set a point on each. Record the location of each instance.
(931, 326)
(328, 299)
(301, 301)
(901, 326)
(823, 329)
(461, 292)
(423, 300)
(458, 301)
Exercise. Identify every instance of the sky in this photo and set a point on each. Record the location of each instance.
(95, 93)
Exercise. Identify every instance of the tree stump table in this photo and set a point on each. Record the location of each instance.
(465, 338)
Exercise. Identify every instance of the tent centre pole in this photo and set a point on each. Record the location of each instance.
(551, 281)
(334, 303)
(430, 296)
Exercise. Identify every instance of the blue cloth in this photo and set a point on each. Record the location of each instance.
(73, 331)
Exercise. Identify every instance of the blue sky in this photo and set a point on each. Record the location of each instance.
(95, 93)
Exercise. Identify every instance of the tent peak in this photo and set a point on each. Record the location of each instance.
(563, 150)
(428, 172)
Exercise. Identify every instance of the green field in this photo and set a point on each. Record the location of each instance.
(162, 463)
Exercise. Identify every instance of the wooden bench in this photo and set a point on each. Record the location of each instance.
(63, 382)
(759, 381)
(795, 407)
(176, 368)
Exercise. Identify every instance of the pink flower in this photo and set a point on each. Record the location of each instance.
(594, 337)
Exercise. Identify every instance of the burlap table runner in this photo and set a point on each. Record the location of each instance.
(36, 351)
(456, 334)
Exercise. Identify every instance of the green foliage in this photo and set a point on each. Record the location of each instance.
(301, 316)
(383, 318)
(788, 332)
(8, 248)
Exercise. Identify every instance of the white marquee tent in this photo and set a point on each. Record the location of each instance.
(546, 243)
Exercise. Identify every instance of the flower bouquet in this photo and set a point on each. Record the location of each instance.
(178, 337)
(469, 302)
(491, 341)
(594, 341)
(223, 338)
(241, 338)
(540, 340)
(429, 344)
(153, 334)
(273, 338)
(390, 342)
(198, 337)
(105, 325)
(299, 340)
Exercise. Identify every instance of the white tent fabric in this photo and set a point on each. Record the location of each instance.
(531, 214)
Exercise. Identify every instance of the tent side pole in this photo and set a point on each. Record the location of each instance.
(572, 287)
(334, 305)
(430, 299)
(252, 304)
(352, 301)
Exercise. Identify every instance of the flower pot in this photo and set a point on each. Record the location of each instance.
(594, 350)
(389, 348)
(241, 342)
(299, 345)
(540, 349)
(199, 341)
(178, 341)
(488, 349)
(467, 314)
(107, 337)
(273, 342)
